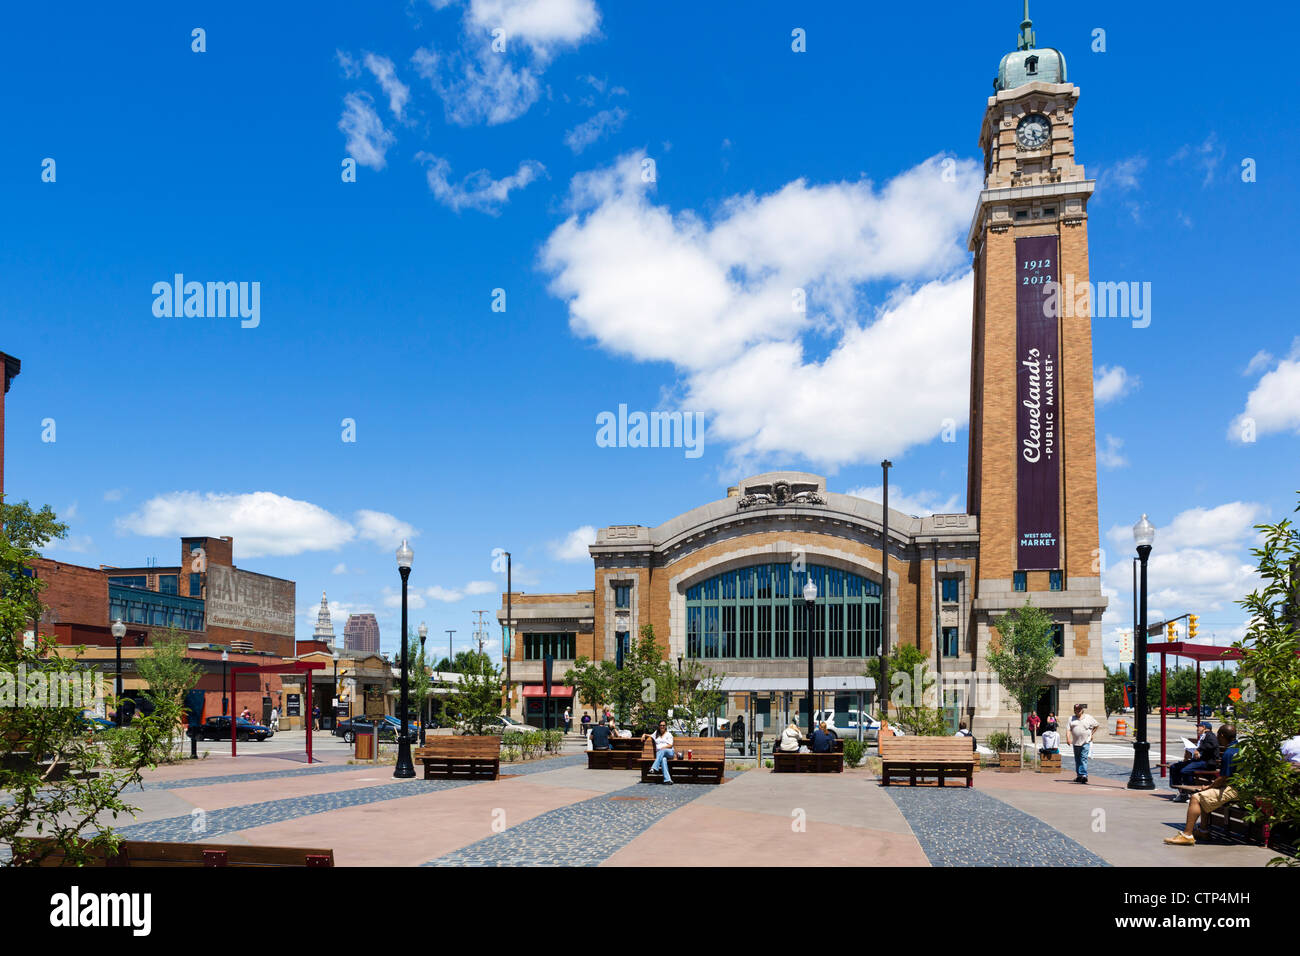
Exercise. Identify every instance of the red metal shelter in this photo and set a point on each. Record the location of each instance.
(296, 667)
(1198, 653)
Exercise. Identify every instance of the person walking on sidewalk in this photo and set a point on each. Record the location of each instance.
(1082, 726)
(1034, 720)
(568, 720)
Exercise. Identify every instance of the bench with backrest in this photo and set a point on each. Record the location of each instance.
(461, 758)
(145, 853)
(624, 753)
(918, 758)
(794, 762)
(706, 764)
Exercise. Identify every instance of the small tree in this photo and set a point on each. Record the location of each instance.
(37, 741)
(1269, 711)
(477, 699)
(1116, 680)
(1024, 657)
(592, 680)
(908, 689)
(169, 673)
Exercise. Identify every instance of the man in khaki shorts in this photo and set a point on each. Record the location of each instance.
(1217, 794)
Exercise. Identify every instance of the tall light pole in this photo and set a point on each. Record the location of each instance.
(450, 659)
(883, 683)
(810, 603)
(510, 630)
(1144, 534)
(334, 694)
(225, 659)
(119, 632)
(405, 768)
(424, 696)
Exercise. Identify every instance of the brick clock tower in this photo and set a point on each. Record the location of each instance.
(1033, 463)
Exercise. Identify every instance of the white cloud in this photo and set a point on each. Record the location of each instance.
(383, 529)
(573, 546)
(1207, 156)
(397, 91)
(1200, 563)
(1123, 175)
(1274, 403)
(717, 299)
(544, 25)
(340, 568)
(367, 140)
(1110, 382)
(921, 504)
(595, 128)
(451, 595)
(69, 512)
(261, 522)
(350, 68)
(114, 494)
(1110, 456)
(478, 190)
(73, 543)
(414, 600)
(1258, 362)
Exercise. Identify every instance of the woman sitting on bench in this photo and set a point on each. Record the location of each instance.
(790, 739)
(1051, 740)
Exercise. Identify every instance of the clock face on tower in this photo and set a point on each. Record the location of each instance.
(1033, 131)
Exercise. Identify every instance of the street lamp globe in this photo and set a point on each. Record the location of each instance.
(810, 591)
(119, 629)
(404, 555)
(1144, 533)
(423, 630)
(225, 656)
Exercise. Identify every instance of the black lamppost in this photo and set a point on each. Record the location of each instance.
(423, 630)
(810, 602)
(405, 768)
(225, 660)
(119, 632)
(1144, 533)
(882, 687)
(510, 632)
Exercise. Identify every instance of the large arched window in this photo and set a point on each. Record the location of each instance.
(759, 611)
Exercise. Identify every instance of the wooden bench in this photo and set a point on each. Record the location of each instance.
(1049, 763)
(624, 754)
(461, 758)
(144, 853)
(921, 757)
(705, 766)
(794, 762)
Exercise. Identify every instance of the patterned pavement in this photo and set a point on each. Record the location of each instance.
(960, 827)
(581, 834)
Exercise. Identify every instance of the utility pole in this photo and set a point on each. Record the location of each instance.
(480, 632)
(450, 660)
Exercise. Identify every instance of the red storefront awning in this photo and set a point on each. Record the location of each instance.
(539, 690)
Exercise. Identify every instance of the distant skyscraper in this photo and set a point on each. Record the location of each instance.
(361, 633)
(324, 626)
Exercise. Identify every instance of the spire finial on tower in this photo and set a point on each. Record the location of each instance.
(1026, 40)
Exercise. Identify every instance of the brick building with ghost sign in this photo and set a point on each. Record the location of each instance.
(721, 583)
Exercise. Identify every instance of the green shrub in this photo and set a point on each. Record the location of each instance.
(853, 751)
(1001, 741)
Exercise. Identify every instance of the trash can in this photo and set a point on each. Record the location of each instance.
(365, 747)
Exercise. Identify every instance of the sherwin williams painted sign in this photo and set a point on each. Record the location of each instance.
(1038, 444)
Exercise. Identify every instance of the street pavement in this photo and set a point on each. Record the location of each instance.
(553, 811)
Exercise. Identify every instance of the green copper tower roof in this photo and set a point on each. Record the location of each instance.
(1029, 64)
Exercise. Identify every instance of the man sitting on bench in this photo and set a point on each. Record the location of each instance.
(1216, 795)
(663, 739)
(600, 737)
(1203, 757)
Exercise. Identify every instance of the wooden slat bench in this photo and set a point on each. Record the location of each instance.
(794, 762)
(624, 754)
(923, 757)
(1049, 763)
(706, 766)
(145, 853)
(461, 758)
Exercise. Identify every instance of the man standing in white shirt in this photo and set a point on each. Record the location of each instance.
(1082, 727)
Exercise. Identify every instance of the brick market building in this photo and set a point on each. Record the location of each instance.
(721, 583)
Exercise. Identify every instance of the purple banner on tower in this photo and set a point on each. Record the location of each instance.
(1038, 445)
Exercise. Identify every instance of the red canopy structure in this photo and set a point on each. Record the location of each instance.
(1198, 653)
(296, 667)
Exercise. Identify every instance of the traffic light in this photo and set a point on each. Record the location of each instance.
(1191, 627)
(1171, 632)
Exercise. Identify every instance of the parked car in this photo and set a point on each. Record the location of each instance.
(218, 728)
(91, 721)
(501, 725)
(389, 728)
(847, 725)
(700, 727)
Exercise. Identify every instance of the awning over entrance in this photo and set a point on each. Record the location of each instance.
(539, 690)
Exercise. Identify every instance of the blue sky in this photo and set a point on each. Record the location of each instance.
(522, 170)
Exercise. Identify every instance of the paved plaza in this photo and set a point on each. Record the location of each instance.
(554, 811)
